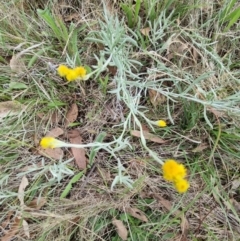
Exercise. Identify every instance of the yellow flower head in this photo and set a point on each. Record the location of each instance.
(63, 70)
(181, 185)
(81, 71)
(72, 75)
(51, 142)
(161, 123)
(173, 171)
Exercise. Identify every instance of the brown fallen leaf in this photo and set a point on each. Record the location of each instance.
(73, 16)
(148, 136)
(145, 31)
(6, 222)
(55, 132)
(112, 70)
(37, 203)
(72, 114)
(10, 108)
(156, 98)
(14, 227)
(24, 183)
(56, 153)
(78, 153)
(165, 203)
(200, 147)
(136, 213)
(121, 229)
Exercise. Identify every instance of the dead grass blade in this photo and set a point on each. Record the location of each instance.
(72, 114)
(24, 183)
(121, 229)
(78, 153)
(148, 136)
(26, 228)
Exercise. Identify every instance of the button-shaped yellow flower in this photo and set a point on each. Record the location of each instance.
(181, 185)
(161, 123)
(173, 171)
(63, 70)
(72, 75)
(81, 72)
(51, 142)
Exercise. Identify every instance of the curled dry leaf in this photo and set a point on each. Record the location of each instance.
(148, 136)
(136, 213)
(145, 31)
(10, 108)
(24, 183)
(156, 98)
(121, 229)
(78, 153)
(72, 114)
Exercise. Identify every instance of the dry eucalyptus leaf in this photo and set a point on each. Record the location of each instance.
(10, 108)
(156, 98)
(148, 136)
(145, 31)
(136, 213)
(26, 228)
(24, 183)
(72, 114)
(121, 229)
(78, 153)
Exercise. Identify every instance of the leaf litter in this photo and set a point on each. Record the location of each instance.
(72, 114)
(78, 153)
(121, 229)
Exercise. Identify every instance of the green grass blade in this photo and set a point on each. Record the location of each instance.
(72, 181)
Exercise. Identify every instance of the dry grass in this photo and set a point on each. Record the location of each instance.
(194, 67)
